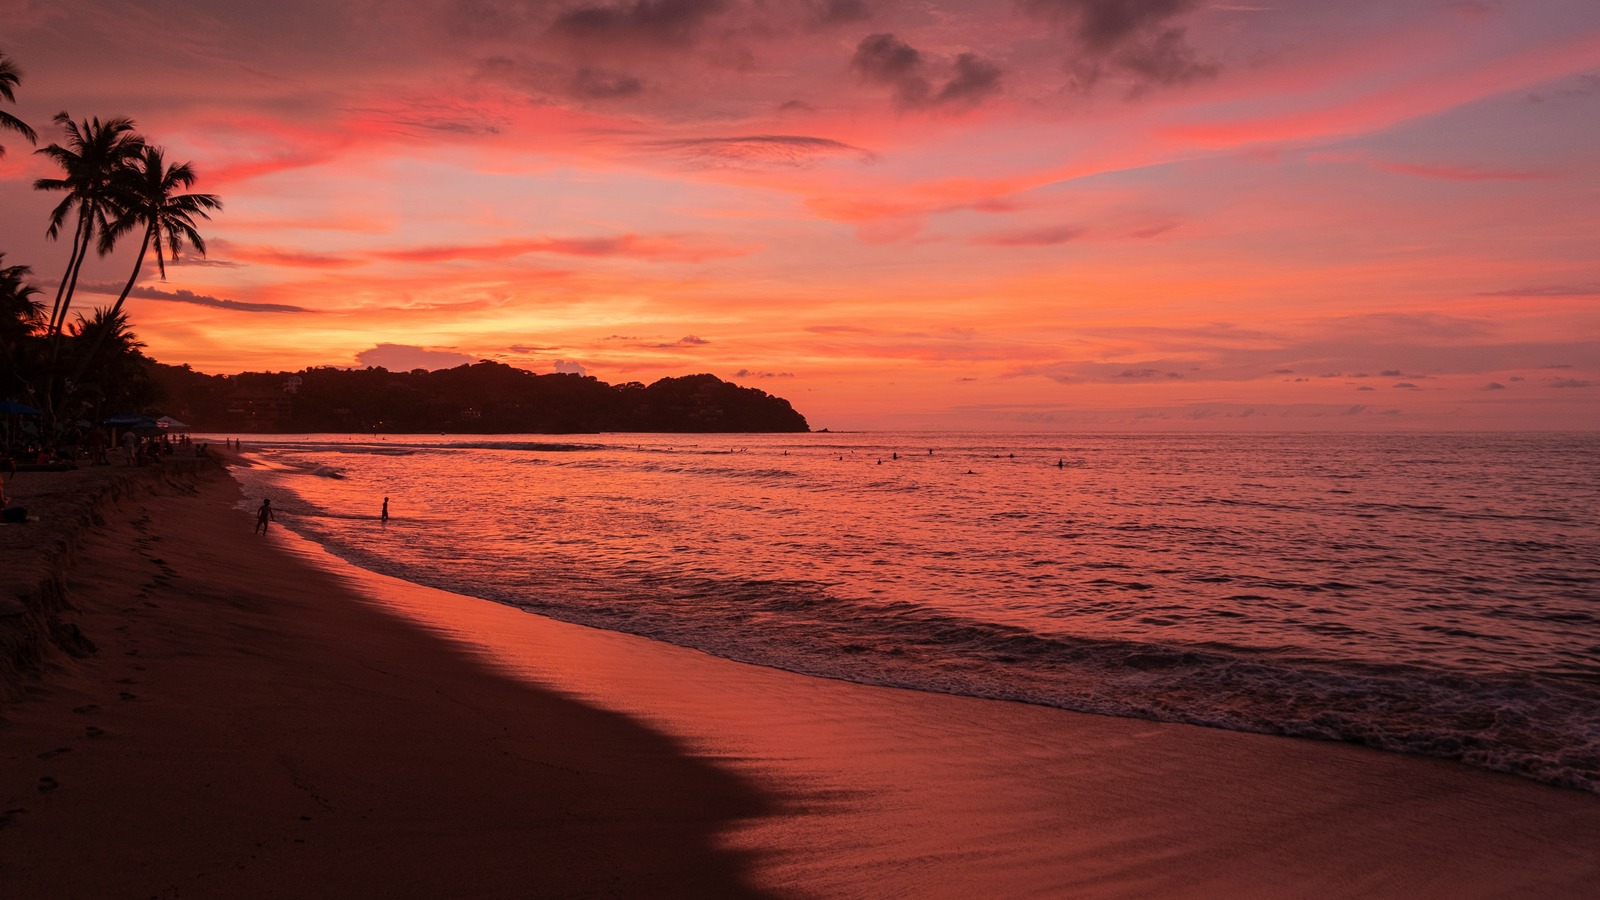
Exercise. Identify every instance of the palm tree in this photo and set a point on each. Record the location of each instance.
(10, 77)
(94, 155)
(21, 317)
(147, 195)
(20, 314)
(117, 378)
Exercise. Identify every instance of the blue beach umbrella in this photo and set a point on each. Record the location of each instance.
(11, 409)
(130, 420)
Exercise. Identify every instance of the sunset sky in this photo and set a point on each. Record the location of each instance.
(1007, 215)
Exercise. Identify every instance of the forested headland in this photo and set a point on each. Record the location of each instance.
(481, 398)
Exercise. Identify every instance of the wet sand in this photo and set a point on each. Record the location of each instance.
(261, 720)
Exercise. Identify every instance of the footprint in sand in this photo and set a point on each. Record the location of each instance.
(86, 709)
(93, 732)
(46, 783)
(127, 696)
(56, 752)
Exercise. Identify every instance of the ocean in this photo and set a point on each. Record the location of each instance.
(1435, 594)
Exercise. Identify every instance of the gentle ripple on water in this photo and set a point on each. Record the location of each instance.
(1431, 593)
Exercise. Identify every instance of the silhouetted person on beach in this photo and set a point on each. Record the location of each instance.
(263, 516)
(385, 516)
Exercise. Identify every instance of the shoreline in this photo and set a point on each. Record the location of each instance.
(438, 744)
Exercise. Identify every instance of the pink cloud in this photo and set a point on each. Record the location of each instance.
(666, 249)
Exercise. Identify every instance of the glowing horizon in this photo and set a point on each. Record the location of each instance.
(1052, 214)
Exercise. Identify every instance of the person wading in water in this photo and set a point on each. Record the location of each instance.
(263, 516)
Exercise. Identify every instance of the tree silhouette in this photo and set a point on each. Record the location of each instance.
(21, 317)
(92, 161)
(146, 193)
(10, 77)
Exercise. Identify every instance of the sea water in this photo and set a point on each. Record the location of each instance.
(1427, 593)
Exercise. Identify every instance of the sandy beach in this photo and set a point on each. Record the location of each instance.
(258, 719)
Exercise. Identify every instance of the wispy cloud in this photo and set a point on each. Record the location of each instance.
(1449, 172)
(1034, 237)
(181, 295)
(759, 149)
(660, 248)
(406, 357)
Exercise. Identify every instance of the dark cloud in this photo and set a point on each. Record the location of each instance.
(1153, 230)
(182, 296)
(1494, 386)
(1036, 237)
(885, 59)
(438, 117)
(771, 149)
(1570, 383)
(1406, 385)
(1391, 373)
(1165, 60)
(662, 23)
(594, 84)
(688, 340)
(749, 373)
(840, 12)
(405, 357)
(1586, 85)
(1107, 25)
(1133, 39)
(489, 18)
(976, 78)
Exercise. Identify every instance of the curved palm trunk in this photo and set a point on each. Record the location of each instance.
(78, 240)
(100, 339)
(72, 285)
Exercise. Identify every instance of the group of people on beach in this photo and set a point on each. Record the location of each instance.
(96, 445)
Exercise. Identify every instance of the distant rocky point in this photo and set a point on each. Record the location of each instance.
(481, 398)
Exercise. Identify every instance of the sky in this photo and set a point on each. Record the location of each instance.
(1049, 215)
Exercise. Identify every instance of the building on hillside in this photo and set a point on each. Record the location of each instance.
(257, 407)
